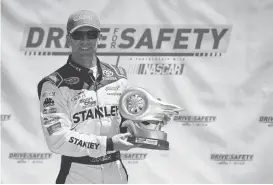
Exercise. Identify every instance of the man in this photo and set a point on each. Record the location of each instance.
(79, 109)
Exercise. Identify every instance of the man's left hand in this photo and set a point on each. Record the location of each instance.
(166, 119)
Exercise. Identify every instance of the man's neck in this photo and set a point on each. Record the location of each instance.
(87, 63)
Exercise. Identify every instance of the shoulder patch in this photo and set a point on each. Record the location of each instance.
(55, 78)
(119, 70)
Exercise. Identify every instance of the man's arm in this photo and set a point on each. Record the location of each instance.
(56, 124)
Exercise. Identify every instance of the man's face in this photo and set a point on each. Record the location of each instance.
(83, 42)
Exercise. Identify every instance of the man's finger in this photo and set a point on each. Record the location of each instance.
(138, 145)
(126, 135)
(126, 143)
(166, 118)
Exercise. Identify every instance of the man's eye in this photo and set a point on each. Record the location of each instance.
(92, 34)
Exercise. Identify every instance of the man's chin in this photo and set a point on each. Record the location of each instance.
(86, 55)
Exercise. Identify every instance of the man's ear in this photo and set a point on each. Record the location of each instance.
(68, 40)
(98, 41)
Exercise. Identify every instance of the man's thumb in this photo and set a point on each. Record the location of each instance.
(126, 135)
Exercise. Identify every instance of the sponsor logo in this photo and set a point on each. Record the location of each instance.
(5, 117)
(112, 88)
(72, 80)
(237, 159)
(49, 121)
(88, 102)
(78, 96)
(136, 40)
(114, 94)
(108, 73)
(84, 144)
(95, 113)
(81, 17)
(49, 110)
(30, 157)
(48, 102)
(101, 159)
(133, 158)
(195, 120)
(156, 69)
(267, 120)
(49, 94)
(54, 128)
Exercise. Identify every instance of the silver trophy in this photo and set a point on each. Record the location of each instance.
(145, 116)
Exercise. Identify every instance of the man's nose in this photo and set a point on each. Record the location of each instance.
(85, 38)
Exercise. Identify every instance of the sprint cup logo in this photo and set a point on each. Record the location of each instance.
(135, 40)
(195, 120)
(237, 159)
(30, 157)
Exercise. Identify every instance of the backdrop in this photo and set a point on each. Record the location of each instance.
(212, 57)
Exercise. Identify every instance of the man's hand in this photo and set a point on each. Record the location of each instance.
(166, 119)
(120, 143)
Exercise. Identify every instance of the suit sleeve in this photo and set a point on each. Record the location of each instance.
(58, 131)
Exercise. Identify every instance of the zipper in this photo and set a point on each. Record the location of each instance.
(96, 91)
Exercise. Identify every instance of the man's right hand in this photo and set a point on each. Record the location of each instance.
(120, 143)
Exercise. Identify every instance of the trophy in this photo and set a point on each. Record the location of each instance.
(141, 111)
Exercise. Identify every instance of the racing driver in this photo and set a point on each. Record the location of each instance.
(79, 109)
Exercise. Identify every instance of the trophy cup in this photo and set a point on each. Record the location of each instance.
(138, 107)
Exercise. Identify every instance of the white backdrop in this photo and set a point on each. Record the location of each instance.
(224, 136)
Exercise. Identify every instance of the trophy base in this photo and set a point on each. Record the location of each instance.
(149, 143)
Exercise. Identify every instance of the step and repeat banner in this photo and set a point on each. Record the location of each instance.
(212, 57)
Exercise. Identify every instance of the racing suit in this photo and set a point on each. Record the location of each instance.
(79, 115)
